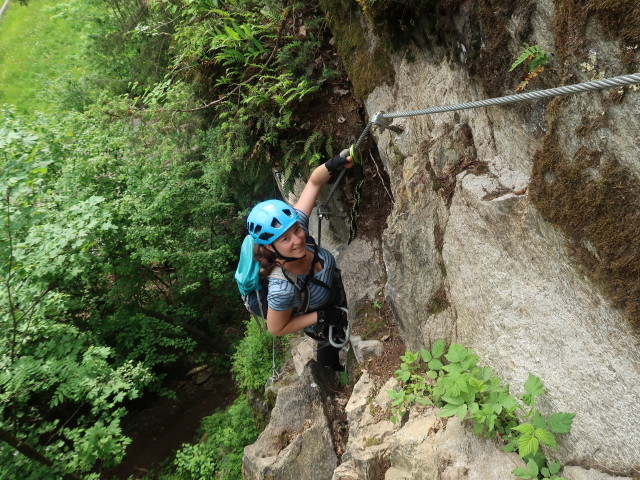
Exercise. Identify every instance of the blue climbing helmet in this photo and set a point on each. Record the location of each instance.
(269, 220)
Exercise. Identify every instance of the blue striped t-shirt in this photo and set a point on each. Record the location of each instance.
(283, 296)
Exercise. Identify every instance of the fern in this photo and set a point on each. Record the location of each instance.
(533, 55)
(310, 141)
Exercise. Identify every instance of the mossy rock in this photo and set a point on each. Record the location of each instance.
(596, 201)
(367, 66)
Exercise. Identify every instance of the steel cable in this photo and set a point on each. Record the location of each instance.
(378, 118)
(521, 97)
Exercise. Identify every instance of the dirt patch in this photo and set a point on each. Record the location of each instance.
(375, 321)
(376, 199)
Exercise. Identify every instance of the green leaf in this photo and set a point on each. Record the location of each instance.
(527, 445)
(522, 472)
(525, 428)
(435, 364)
(456, 353)
(510, 447)
(409, 357)
(527, 399)
(533, 386)
(449, 410)
(545, 437)
(530, 471)
(426, 355)
(538, 420)
(453, 400)
(554, 467)
(438, 349)
(393, 394)
(561, 422)
(484, 373)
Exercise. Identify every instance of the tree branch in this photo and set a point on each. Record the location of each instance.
(31, 453)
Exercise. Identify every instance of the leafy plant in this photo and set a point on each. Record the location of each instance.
(253, 358)
(535, 58)
(61, 393)
(459, 386)
(218, 455)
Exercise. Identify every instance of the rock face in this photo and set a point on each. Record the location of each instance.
(476, 253)
(424, 448)
(516, 229)
(297, 443)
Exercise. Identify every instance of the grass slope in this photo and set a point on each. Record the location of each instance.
(39, 49)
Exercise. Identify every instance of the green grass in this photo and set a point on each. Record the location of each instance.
(40, 49)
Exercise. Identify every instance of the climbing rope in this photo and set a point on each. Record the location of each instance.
(275, 374)
(382, 119)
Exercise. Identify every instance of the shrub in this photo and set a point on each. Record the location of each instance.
(254, 357)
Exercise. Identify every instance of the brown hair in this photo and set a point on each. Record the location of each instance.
(266, 258)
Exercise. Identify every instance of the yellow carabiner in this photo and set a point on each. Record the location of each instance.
(355, 157)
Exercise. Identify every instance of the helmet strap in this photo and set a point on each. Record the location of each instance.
(282, 257)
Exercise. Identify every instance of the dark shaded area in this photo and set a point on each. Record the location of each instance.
(159, 428)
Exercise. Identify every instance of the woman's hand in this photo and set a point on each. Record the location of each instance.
(319, 177)
(339, 162)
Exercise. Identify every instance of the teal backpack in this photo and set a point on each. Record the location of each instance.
(252, 288)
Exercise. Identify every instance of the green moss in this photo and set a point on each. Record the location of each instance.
(491, 62)
(438, 303)
(596, 201)
(367, 69)
(420, 22)
(370, 320)
(620, 20)
(372, 442)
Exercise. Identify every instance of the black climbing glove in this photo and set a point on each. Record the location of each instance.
(336, 163)
(332, 316)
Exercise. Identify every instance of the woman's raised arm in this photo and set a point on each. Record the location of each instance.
(319, 177)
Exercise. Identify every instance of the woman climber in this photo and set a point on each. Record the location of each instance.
(304, 287)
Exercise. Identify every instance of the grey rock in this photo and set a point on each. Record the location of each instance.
(578, 473)
(365, 349)
(469, 258)
(297, 442)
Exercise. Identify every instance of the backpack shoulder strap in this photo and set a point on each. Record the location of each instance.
(303, 290)
(278, 272)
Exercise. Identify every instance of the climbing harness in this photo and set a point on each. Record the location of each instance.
(383, 120)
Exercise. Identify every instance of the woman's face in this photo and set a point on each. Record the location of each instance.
(292, 242)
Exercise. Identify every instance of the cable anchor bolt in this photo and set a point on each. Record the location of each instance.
(380, 121)
(324, 212)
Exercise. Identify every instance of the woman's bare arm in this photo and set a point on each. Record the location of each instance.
(319, 177)
(282, 323)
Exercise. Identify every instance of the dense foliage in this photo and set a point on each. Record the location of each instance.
(455, 382)
(121, 215)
